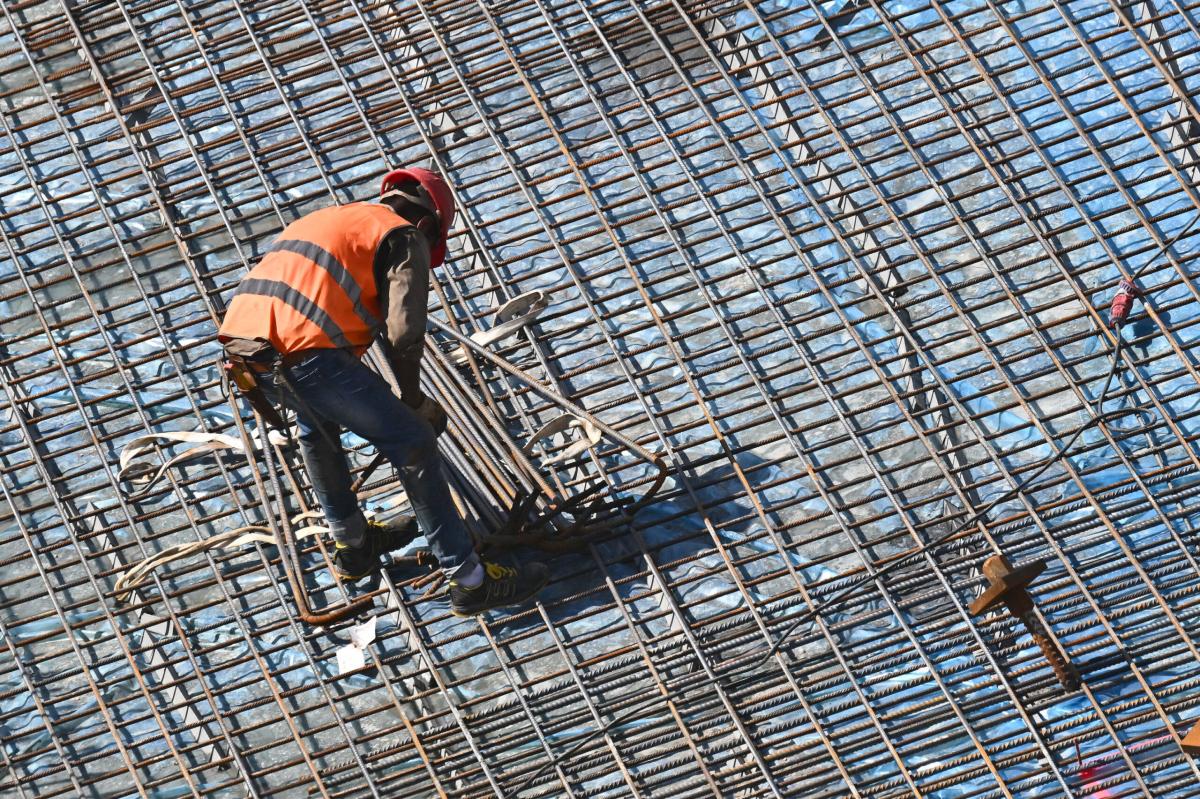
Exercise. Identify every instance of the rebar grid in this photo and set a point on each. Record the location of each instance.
(845, 264)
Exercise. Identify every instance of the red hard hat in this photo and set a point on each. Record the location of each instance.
(442, 198)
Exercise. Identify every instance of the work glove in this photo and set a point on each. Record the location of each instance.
(431, 412)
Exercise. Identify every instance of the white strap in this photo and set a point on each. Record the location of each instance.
(139, 573)
(561, 424)
(144, 474)
(510, 317)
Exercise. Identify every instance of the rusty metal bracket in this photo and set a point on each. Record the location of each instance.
(1191, 741)
(519, 530)
(1007, 587)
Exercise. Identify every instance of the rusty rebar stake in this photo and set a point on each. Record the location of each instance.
(1008, 587)
(1191, 741)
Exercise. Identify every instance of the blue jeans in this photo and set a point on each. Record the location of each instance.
(337, 390)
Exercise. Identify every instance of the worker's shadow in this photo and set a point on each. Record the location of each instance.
(695, 554)
(705, 540)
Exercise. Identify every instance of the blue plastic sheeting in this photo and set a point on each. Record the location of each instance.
(730, 262)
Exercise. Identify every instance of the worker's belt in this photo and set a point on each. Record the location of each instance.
(262, 368)
(243, 360)
(259, 356)
(254, 366)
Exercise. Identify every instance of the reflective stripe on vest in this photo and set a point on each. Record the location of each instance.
(308, 308)
(315, 287)
(326, 260)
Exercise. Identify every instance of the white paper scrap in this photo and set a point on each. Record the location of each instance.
(350, 658)
(361, 635)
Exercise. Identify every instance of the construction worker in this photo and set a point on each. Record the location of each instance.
(299, 324)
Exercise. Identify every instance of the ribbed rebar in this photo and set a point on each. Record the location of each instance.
(829, 278)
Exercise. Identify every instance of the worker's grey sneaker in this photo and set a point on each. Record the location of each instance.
(354, 563)
(501, 586)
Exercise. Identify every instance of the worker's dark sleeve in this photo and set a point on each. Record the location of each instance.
(402, 274)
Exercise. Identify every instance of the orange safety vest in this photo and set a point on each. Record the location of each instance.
(315, 288)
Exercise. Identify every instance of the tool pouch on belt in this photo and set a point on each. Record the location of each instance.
(243, 361)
